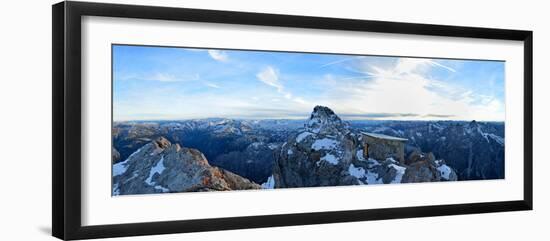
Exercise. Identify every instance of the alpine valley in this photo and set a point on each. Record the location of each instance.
(218, 154)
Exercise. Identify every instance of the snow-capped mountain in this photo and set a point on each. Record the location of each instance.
(325, 150)
(327, 153)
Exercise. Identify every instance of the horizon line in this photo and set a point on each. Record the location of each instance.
(343, 119)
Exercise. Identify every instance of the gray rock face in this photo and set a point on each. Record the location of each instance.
(160, 167)
(319, 155)
(424, 168)
(324, 121)
(326, 153)
(115, 155)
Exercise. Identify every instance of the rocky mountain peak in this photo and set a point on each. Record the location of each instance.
(473, 124)
(324, 120)
(161, 166)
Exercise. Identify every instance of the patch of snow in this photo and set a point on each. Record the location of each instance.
(256, 144)
(400, 172)
(394, 161)
(289, 152)
(357, 172)
(498, 139)
(132, 177)
(484, 134)
(324, 144)
(313, 122)
(302, 136)
(330, 159)
(445, 171)
(419, 134)
(436, 126)
(270, 183)
(359, 155)
(272, 146)
(163, 189)
(372, 163)
(372, 178)
(158, 168)
(121, 167)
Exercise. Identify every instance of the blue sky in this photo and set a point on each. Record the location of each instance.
(161, 83)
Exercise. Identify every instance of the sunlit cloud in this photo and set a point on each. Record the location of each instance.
(218, 55)
(406, 87)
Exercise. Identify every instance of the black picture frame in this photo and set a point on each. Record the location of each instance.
(66, 158)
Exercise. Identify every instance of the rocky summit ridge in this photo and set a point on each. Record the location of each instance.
(326, 153)
(161, 166)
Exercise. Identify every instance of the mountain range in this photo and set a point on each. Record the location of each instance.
(323, 150)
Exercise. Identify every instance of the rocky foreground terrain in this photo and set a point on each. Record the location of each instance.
(160, 166)
(323, 150)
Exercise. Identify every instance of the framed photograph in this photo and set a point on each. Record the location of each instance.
(170, 120)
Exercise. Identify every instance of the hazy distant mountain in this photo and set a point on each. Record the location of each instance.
(241, 146)
(474, 149)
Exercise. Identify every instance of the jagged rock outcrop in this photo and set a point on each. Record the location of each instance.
(160, 166)
(424, 168)
(319, 155)
(115, 155)
(326, 153)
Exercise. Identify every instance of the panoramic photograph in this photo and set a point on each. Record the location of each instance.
(196, 120)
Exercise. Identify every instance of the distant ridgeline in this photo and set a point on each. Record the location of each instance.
(225, 154)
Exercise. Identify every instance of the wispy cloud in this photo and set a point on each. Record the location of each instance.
(212, 85)
(342, 61)
(218, 55)
(270, 76)
(165, 77)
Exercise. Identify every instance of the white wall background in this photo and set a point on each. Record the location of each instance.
(25, 104)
